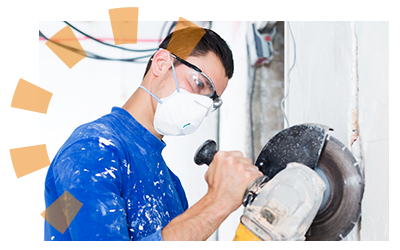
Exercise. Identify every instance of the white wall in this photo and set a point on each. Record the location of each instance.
(341, 70)
(234, 118)
(373, 64)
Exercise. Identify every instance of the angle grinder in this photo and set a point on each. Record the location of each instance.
(311, 189)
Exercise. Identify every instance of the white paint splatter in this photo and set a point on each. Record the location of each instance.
(147, 214)
(104, 141)
(103, 211)
(127, 166)
(100, 158)
(140, 227)
(52, 237)
(110, 172)
(85, 170)
(83, 148)
(111, 210)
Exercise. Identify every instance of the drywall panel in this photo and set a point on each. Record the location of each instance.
(373, 70)
(320, 80)
(341, 78)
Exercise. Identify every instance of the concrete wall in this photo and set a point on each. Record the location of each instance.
(341, 79)
(268, 93)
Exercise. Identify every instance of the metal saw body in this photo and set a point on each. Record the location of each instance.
(312, 146)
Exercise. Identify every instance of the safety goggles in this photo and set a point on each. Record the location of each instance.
(200, 82)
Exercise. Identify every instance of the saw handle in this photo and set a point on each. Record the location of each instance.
(205, 154)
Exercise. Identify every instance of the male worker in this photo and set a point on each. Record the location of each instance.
(114, 167)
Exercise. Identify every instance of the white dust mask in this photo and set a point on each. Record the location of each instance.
(182, 112)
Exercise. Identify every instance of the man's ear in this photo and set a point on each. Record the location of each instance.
(161, 62)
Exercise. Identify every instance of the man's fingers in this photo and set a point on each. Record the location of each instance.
(245, 161)
(235, 153)
(252, 168)
(235, 158)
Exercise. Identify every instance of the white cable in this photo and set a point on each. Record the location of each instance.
(288, 85)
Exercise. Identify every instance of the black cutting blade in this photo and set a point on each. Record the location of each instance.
(342, 210)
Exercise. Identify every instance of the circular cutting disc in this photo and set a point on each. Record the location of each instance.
(342, 209)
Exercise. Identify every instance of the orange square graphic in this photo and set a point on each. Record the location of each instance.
(67, 47)
(62, 211)
(183, 43)
(124, 14)
(30, 97)
(124, 23)
(27, 160)
(125, 32)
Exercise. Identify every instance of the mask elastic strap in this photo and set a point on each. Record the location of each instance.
(176, 80)
(148, 91)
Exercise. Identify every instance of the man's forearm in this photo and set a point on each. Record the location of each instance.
(198, 222)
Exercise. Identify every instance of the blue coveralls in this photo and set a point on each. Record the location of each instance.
(114, 167)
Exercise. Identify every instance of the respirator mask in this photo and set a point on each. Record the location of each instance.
(182, 112)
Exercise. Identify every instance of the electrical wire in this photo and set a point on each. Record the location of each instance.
(172, 26)
(253, 82)
(162, 31)
(288, 86)
(111, 45)
(95, 56)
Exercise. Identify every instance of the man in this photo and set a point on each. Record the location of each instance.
(114, 167)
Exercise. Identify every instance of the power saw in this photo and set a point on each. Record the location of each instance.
(311, 189)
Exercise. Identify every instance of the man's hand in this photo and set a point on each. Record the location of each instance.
(228, 177)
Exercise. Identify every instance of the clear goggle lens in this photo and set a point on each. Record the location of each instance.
(202, 85)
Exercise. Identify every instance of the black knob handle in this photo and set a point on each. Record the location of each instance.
(205, 153)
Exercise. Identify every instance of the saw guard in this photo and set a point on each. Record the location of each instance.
(301, 143)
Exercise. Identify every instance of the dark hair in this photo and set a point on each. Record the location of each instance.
(210, 42)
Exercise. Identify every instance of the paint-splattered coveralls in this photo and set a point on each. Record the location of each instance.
(114, 167)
